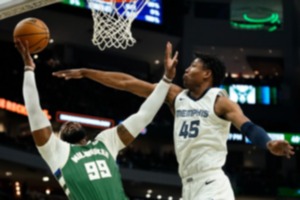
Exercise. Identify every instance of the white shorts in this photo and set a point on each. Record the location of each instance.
(210, 185)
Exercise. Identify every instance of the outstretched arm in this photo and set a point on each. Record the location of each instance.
(39, 124)
(133, 125)
(258, 136)
(122, 81)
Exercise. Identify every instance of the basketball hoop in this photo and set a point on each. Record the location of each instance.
(112, 22)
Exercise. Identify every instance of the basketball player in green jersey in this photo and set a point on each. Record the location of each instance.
(203, 115)
(87, 170)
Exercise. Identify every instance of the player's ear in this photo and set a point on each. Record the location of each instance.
(207, 73)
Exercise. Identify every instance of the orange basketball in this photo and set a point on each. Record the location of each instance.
(35, 32)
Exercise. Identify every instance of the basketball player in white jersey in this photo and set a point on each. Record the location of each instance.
(203, 115)
(87, 170)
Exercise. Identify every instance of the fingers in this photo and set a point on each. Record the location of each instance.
(168, 52)
(59, 74)
(288, 150)
(20, 45)
(175, 59)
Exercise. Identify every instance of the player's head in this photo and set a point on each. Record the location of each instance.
(204, 68)
(73, 133)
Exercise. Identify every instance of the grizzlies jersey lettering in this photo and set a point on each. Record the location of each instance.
(200, 136)
(97, 174)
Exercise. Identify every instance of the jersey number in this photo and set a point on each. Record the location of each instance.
(190, 130)
(97, 169)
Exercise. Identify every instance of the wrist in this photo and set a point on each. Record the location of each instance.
(28, 68)
(84, 72)
(269, 144)
(166, 79)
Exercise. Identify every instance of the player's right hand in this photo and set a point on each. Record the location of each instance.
(69, 74)
(25, 53)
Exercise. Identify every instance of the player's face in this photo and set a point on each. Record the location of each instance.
(195, 74)
(69, 128)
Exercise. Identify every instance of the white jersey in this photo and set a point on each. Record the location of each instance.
(200, 136)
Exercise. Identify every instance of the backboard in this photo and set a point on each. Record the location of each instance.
(10, 8)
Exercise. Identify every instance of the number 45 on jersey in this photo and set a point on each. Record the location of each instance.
(190, 129)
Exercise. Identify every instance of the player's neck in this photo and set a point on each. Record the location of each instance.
(198, 92)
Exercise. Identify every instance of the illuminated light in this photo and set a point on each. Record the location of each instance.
(159, 196)
(17, 183)
(47, 191)
(2, 128)
(18, 188)
(8, 173)
(246, 76)
(18, 193)
(51, 41)
(170, 198)
(234, 75)
(273, 28)
(95, 122)
(149, 191)
(256, 72)
(247, 26)
(35, 56)
(156, 62)
(180, 198)
(17, 108)
(235, 137)
(272, 18)
(148, 196)
(45, 178)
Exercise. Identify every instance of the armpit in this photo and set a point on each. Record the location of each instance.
(124, 135)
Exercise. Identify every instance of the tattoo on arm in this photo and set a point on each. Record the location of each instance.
(124, 135)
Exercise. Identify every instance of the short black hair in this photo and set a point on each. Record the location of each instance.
(74, 136)
(215, 65)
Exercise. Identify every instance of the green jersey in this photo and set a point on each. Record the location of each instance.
(87, 172)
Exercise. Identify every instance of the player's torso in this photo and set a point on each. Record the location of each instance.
(199, 135)
(91, 173)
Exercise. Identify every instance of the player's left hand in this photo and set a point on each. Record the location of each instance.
(170, 61)
(23, 48)
(280, 148)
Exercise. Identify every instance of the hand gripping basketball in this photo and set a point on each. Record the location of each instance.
(35, 32)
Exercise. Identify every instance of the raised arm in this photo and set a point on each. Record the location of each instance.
(133, 125)
(258, 136)
(122, 81)
(39, 124)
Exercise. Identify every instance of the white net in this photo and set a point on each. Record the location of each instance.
(112, 22)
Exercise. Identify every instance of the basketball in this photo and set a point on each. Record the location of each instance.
(35, 31)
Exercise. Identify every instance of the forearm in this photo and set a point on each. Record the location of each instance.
(136, 122)
(120, 81)
(111, 79)
(257, 135)
(37, 119)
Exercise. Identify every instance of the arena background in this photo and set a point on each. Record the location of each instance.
(264, 57)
